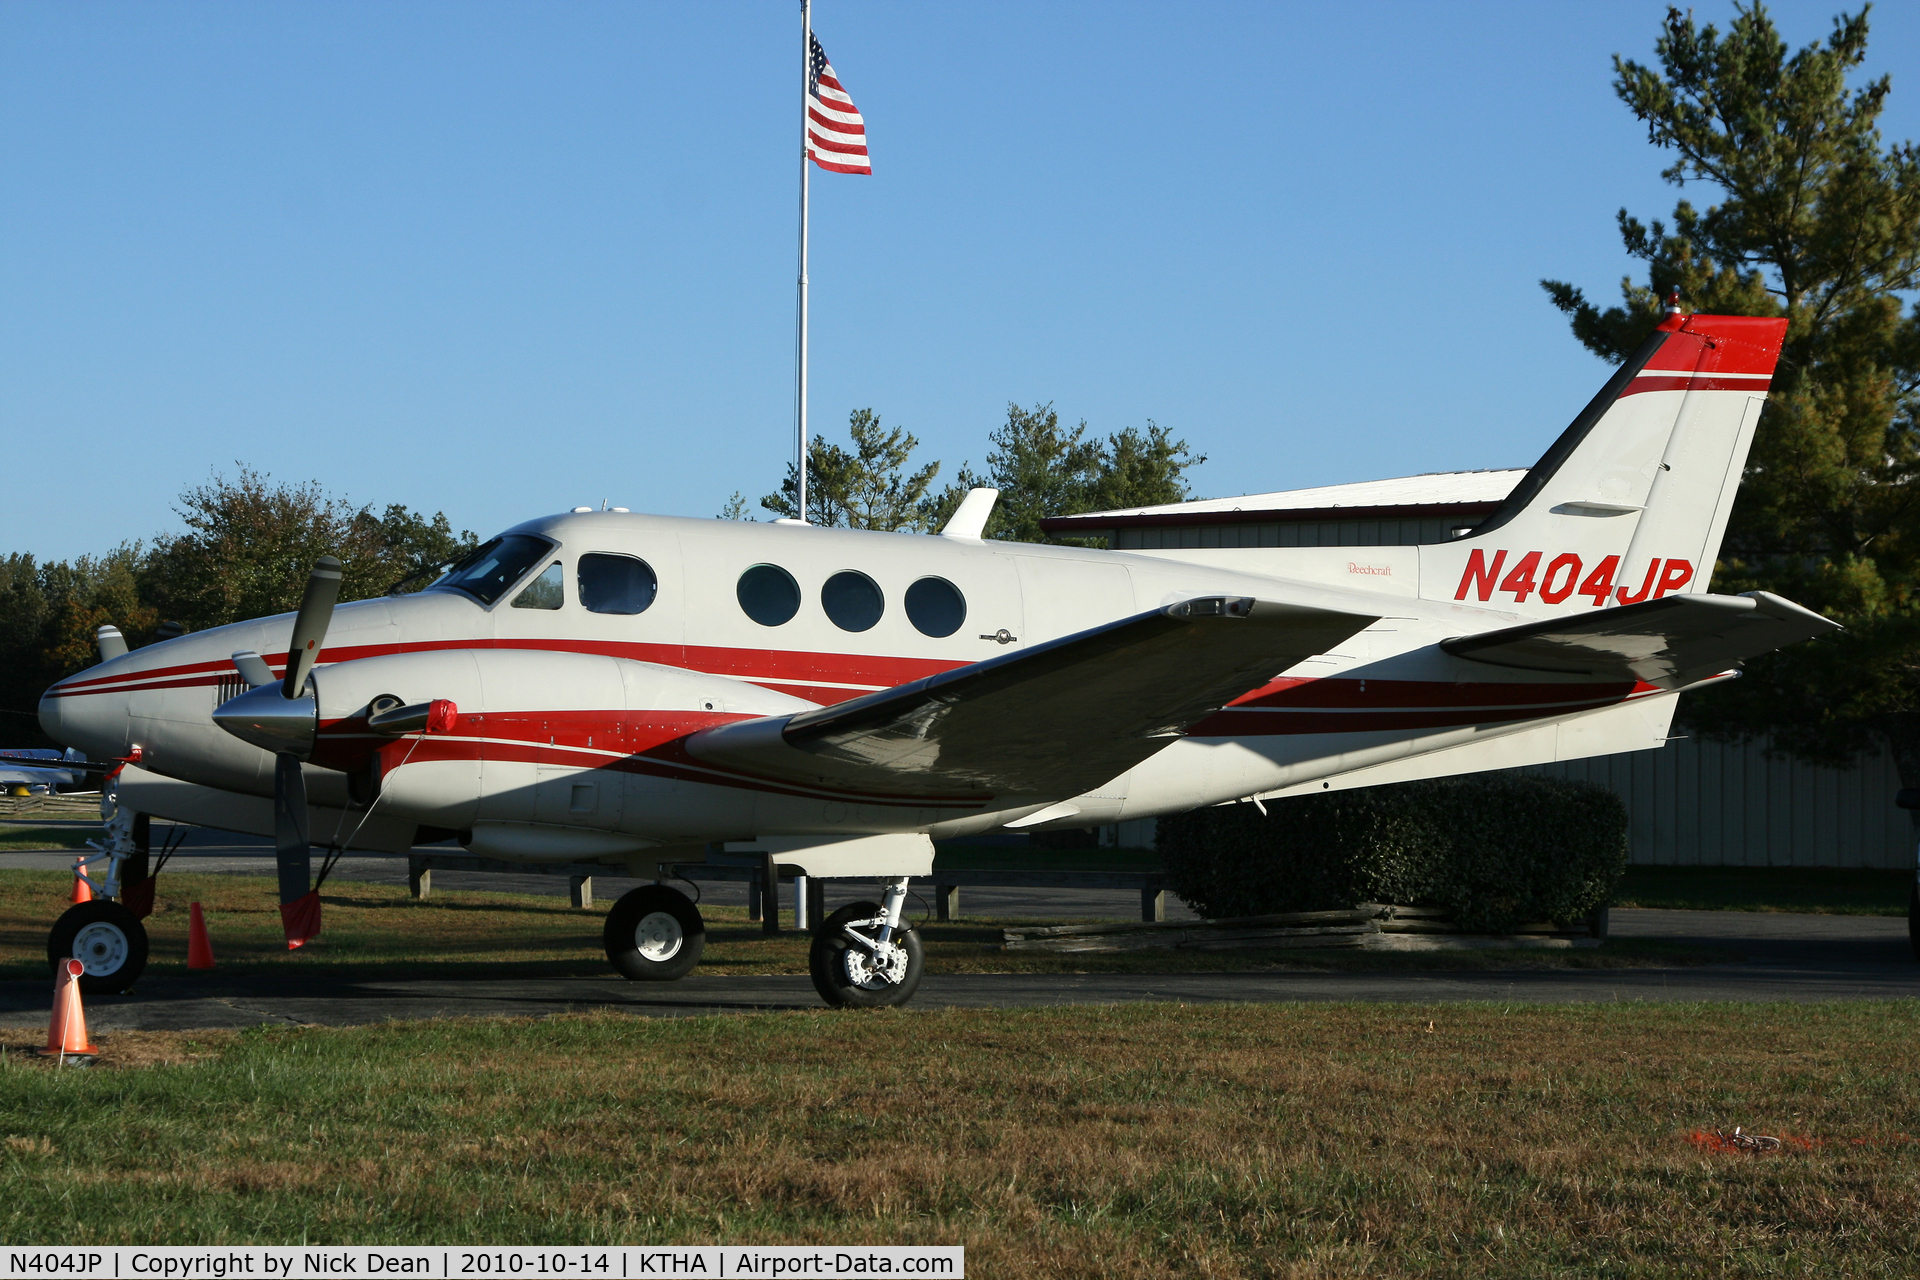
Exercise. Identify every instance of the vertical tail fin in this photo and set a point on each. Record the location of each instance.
(1632, 500)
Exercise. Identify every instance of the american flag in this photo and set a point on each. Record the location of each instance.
(836, 135)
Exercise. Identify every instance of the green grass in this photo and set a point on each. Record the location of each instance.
(15, 838)
(1134, 1141)
(374, 930)
(1825, 890)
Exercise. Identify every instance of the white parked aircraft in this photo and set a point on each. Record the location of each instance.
(24, 770)
(632, 689)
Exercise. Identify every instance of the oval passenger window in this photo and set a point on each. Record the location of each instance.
(768, 594)
(612, 583)
(936, 607)
(852, 600)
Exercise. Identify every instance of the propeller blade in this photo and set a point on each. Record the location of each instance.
(252, 668)
(310, 624)
(292, 851)
(291, 844)
(112, 643)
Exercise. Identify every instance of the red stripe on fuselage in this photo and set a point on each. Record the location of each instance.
(1287, 705)
(790, 670)
(669, 760)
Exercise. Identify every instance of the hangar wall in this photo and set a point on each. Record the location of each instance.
(1695, 803)
(1291, 533)
(1714, 804)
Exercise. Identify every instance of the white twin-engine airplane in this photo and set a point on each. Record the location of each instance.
(630, 690)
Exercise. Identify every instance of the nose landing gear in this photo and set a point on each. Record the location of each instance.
(107, 939)
(105, 935)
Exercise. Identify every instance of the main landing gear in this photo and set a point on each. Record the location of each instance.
(654, 934)
(863, 956)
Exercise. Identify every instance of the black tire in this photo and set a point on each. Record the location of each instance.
(105, 937)
(654, 934)
(834, 962)
(1913, 920)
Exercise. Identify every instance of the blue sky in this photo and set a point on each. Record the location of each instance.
(504, 259)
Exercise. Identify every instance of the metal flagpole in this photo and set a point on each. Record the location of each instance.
(800, 358)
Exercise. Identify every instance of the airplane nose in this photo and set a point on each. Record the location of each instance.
(51, 722)
(96, 723)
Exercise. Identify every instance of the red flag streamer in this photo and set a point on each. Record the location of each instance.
(301, 919)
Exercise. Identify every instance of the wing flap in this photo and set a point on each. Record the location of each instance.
(1054, 720)
(1669, 642)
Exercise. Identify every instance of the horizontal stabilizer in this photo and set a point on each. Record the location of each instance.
(1669, 642)
(1053, 721)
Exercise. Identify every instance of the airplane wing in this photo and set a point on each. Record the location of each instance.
(1668, 642)
(1054, 720)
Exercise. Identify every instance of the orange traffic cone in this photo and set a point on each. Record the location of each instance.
(67, 1032)
(199, 950)
(82, 891)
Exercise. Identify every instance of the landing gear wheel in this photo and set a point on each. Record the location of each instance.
(848, 976)
(654, 934)
(1913, 920)
(105, 937)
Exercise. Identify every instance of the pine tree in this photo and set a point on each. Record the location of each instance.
(1043, 469)
(866, 488)
(1817, 220)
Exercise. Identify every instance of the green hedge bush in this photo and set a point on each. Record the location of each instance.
(1497, 850)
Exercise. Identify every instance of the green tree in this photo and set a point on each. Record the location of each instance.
(1043, 469)
(250, 544)
(246, 552)
(1817, 220)
(411, 549)
(867, 488)
(48, 615)
(1142, 469)
(23, 613)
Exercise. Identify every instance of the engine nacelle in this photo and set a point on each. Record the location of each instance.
(536, 736)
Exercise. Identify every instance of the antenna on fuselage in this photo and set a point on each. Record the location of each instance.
(969, 519)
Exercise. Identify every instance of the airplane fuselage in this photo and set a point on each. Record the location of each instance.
(572, 718)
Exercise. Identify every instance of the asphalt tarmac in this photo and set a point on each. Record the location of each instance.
(218, 851)
(1781, 957)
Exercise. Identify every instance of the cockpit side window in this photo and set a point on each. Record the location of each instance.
(544, 592)
(495, 566)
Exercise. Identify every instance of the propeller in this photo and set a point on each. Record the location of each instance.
(292, 842)
(284, 717)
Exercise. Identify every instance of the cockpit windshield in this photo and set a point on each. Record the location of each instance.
(495, 566)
